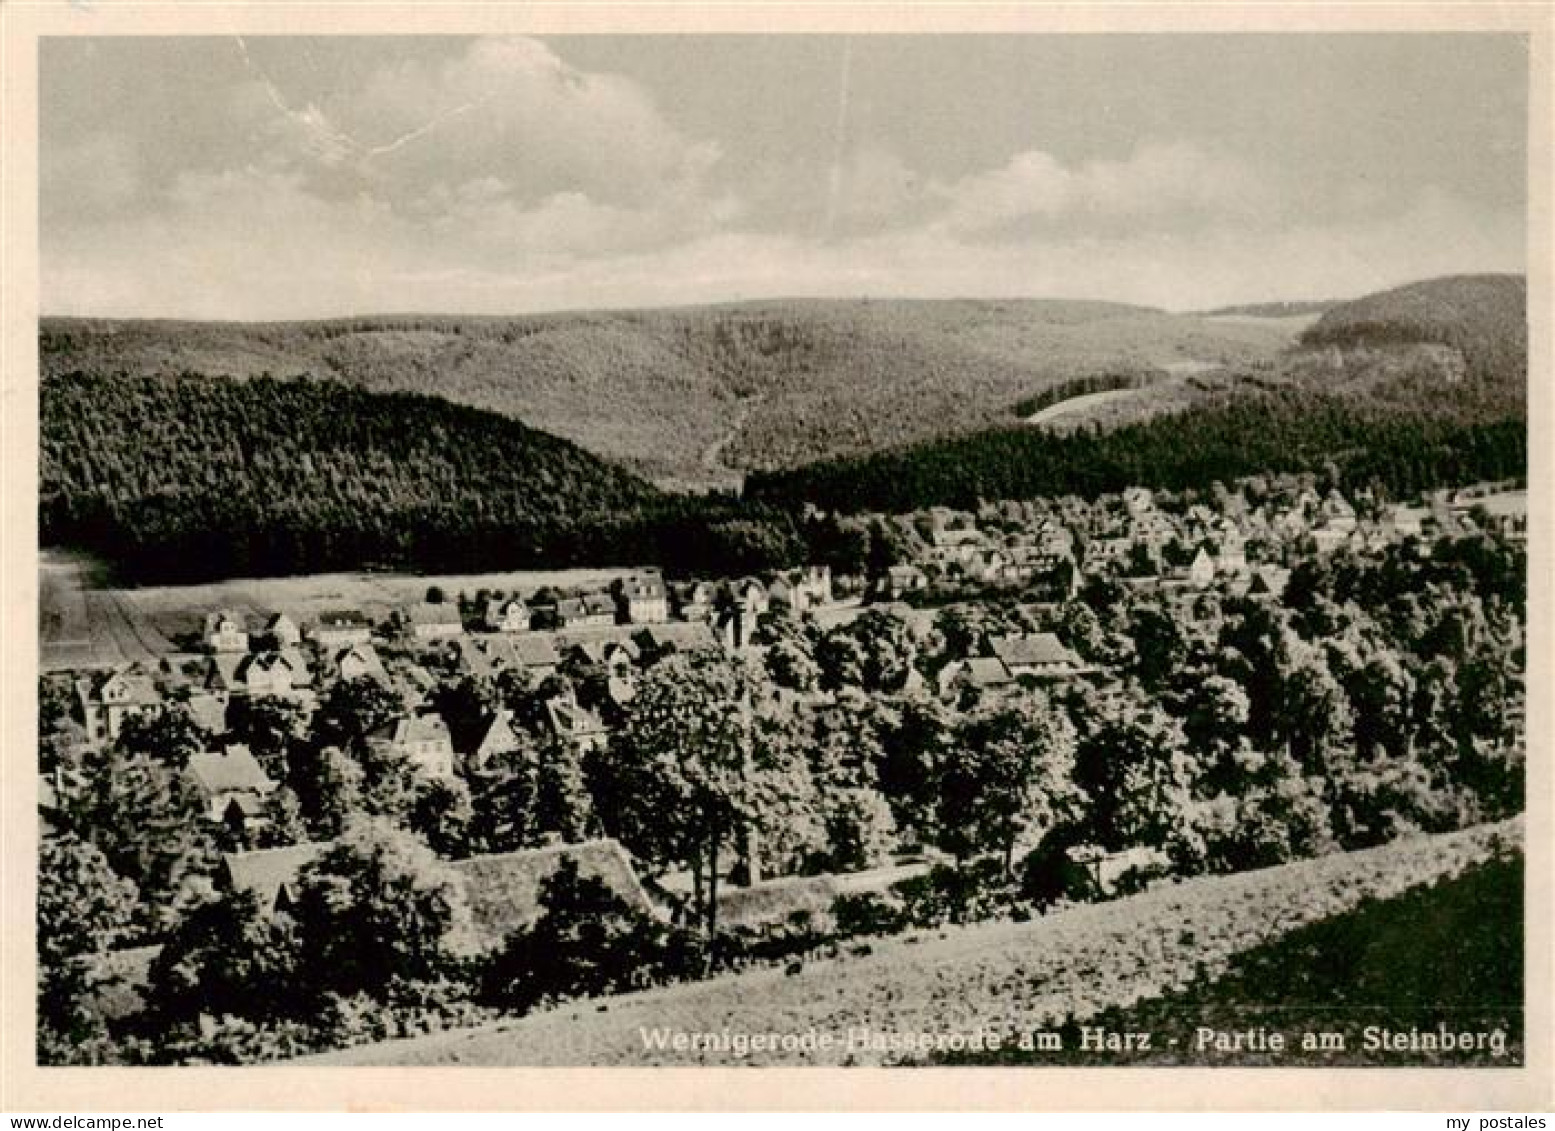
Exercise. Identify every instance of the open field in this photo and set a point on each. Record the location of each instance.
(1448, 955)
(1004, 978)
(1056, 412)
(81, 625)
(1292, 324)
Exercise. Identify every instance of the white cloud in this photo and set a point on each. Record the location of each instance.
(501, 179)
(1157, 183)
(508, 109)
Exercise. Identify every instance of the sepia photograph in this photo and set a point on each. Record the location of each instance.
(781, 550)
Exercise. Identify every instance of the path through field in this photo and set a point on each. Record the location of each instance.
(1076, 405)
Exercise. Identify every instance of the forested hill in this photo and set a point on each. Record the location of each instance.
(1287, 431)
(1411, 388)
(1483, 318)
(697, 394)
(185, 477)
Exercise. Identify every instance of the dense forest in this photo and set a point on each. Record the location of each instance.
(1482, 317)
(1282, 431)
(1418, 387)
(758, 385)
(190, 477)
(186, 479)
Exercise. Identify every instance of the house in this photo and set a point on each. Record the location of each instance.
(231, 784)
(590, 610)
(662, 639)
(902, 579)
(1325, 539)
(1405, 522)
(747, 594)
(105, 700)
(270, 873)
(423, 740)
(644, 600)
(434, 621)
(979, 673)
(466, 657)
(1202, 571)
(1269, 582)
(209, 710)
(1052, 538)
(414, 683)
(276, 673)
(784, 594)
(694, 601)
(1039, 654)
(618, 654)
(359, 661)
(507, 614)
(284, 673)
(1105, 553)
(1336, 513)
(814, 586)
(504, 889)
(225, 631)
(494, 739)
(604, 652)
(1232, 560)
(983, 565)
(282, 632)
(532, 652)
(339, 629)
(1099, 872)
(574, 724)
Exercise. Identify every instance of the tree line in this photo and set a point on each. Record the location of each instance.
(185, 479)
(1288, 430)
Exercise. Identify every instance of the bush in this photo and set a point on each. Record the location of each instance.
(869, 913)
(949, 894)
(801, 933)
(588, 942)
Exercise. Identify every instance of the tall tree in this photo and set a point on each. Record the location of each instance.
(681, 784)
(1012, 779)
(379, 906)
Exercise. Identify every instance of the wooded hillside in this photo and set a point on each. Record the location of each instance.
(187, 478)
(694, 395)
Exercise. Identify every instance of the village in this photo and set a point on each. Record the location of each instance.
(1036, 552)
(492, 726)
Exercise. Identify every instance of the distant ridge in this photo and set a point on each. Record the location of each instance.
(699, 395)
(1483, 317)
(1275, 309)
(1419, 386)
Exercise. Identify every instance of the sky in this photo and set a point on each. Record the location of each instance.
(278, 178)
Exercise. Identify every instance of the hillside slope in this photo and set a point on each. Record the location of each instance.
(183, 478)
(1003, 977)
(695, 395)
(1463, 339)
(1417, 387)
